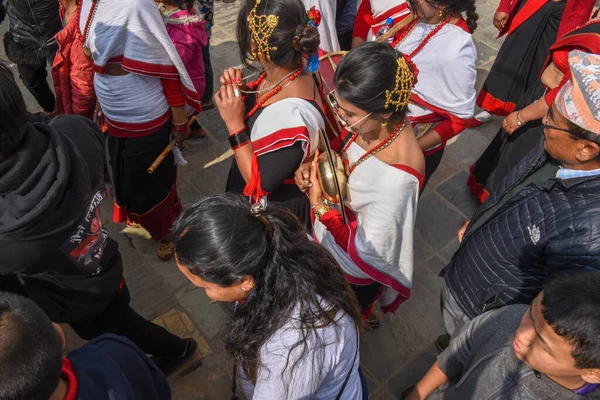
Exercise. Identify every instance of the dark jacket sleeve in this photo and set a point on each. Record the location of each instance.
(87, 140)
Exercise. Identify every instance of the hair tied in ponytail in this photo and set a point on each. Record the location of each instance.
(258, 211)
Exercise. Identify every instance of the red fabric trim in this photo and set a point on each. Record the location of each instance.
(439, 111)
(280, 139)
(101, 69)
(504, 6)
(332, 220)
(390, 13)
(410, 170)
(158, 220)
(395, 304)
(172, 89)
(477, 188)
(364, 266)
(550, 95)
(289, 181)
(68, 372)
(253, 187)
(461, 23)
(133, 130)
(362, 22)
(530, 8)
(494, 105)
(577, 12)
(156, 70)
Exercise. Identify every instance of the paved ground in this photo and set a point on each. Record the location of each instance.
(392, 357)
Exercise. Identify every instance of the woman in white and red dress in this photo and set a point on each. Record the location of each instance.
(443, 100)
(146, 97)
(372, 15)
(385, 170)
(273, 122)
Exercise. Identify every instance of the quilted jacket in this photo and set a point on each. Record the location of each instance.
(187, 32)
(33, 24)
(73, 72)
(543, 230)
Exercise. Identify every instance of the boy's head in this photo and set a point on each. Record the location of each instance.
(30, 350)
(559, 335)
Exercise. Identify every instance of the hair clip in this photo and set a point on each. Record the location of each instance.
(314, 17)
(261, 28)
(405, 80)
(258, 211)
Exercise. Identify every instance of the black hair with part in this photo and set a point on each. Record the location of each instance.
(219, 240)
(30, 350)
(365, 74)
(571, 306)
(13, 113)
(293, 36)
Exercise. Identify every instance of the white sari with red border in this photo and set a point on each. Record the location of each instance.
(278, 126)
(381, 207)
(445, 89)
(132, 34)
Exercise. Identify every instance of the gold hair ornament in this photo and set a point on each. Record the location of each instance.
(261, 28)
(399, 97)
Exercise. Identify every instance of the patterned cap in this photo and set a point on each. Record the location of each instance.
(579, 99)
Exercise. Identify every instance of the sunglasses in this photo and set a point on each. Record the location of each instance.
(336, 110)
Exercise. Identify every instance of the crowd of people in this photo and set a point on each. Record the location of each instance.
(316, 226)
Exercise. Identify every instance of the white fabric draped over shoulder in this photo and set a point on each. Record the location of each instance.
(132, 33)
(284, 123)
(381, 207)
(327, 31)
(447, 71)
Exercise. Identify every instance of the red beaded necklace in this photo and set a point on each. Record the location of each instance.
(424, 42)
(86, 49)
(272, 93)
(384, 143)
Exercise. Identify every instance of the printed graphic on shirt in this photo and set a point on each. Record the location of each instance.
(86, 244)
(534, 233)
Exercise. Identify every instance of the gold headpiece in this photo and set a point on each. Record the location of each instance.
(261, 28)
(405, 80)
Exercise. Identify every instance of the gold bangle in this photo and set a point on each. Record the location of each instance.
(322, 211)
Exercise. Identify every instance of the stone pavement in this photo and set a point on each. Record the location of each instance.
(394, 356)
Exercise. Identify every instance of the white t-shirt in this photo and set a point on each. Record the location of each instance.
(319, 375)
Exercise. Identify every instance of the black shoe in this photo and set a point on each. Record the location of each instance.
(169, 365)
(442, 342)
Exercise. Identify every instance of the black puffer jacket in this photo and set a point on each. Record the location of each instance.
(51, 233)
(33, 24)
(539, 232)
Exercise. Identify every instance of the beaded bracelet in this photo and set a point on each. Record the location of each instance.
(239, 139)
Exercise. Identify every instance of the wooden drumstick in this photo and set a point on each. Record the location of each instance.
(161, 157)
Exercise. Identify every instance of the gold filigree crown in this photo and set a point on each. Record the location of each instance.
(261, 28)
(405, 79)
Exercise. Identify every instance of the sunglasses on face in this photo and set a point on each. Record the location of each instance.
(336, 110)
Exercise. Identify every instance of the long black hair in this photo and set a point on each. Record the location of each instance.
(364, 75)
(220, 241)
(293, 36)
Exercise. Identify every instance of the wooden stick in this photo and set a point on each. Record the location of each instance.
(161, 157)
(396, 28)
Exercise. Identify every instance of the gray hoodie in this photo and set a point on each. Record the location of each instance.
(481, 364)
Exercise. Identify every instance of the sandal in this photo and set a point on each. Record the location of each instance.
(165, 251)
(373, 321)
(197, 134)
